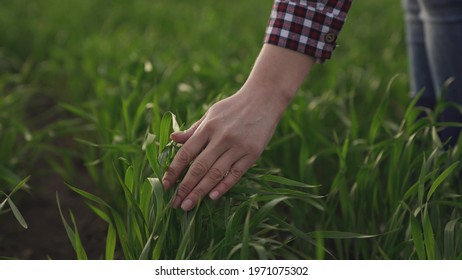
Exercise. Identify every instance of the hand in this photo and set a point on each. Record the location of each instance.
(221, 147)
(230, 137)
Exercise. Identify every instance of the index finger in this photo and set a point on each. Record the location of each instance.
(185, 155)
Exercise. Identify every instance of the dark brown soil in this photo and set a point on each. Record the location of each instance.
(46, 237)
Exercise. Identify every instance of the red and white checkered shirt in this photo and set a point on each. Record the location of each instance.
(307, 26)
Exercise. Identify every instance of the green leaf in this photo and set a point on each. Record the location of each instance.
(417, 237)
(449, 239)
(261, 251)
(16, 213)
(133, 204)
(411, 191)
(158, 193)
(164, 133)
(440, 179)
(320, 245)
(186, 237)
(19, 185)
(69, 231)
(245, 252)
(129, 148)
(79, 112)
(88, 196)
(421, 182)
(3, 203)
(429, 238)
(263, 212)
(81, 254)
(285, 181)
(123, 235)
(147, 247)
(300, 234)
(416, 188)
(151, 154)
(129, 179)
(156, 254)
(377, 120)
(145, 199)
(410, 110)
(100, 213)
(339, 235)
(111, 239)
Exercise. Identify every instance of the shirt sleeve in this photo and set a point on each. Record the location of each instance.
(307, 26)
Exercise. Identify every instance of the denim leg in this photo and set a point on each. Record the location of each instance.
(419, 68)
(442, 25)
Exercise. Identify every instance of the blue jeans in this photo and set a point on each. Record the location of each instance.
(434, 40)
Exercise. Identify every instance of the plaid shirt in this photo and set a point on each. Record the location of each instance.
(307, 26)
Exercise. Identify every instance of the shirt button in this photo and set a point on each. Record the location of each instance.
(330, 37)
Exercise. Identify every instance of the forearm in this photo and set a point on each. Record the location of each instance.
(220, 147)
(277, 75)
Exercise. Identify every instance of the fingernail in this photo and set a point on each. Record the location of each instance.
(176, 202)
(214, 195)
(166, 184)
(187, 205)
(175, 133)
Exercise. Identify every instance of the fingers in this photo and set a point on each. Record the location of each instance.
(232, 177)
(217, 150)
(214, 170)
(182, 136)
(188, 197)
(183, 158)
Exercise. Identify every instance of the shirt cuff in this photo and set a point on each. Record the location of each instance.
(309, 27)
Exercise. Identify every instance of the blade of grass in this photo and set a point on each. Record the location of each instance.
(417, 237)
(79, 112)
(440, 179)
(111, 239)
(88, 196)
(340, 235)
(123, 235)
(129, 179)
(133, 204)
(158, 194)
(70, 232)
(100, 213)
(186, 237)
(79, 249)
(299, 234)
(16, 213)
(19, 185)
(151, 154)
(261, 251)
(429, 237)
(263, 212)
(157, 252)
(165, 125)
(285, 181)
(449, 239)
(147, 248)
(245, 251)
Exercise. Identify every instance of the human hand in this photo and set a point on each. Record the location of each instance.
(229, 138)
(221, 147)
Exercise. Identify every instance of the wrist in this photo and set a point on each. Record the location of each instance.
(272, 96)
(277, 75)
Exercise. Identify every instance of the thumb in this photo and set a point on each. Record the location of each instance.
(181, 137)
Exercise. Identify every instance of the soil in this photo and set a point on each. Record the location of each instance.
(45, 237)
